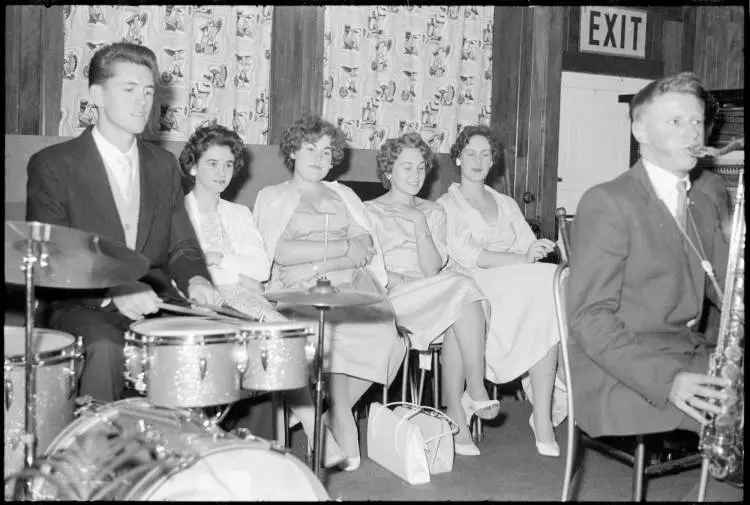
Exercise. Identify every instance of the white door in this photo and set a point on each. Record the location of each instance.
(594, 133)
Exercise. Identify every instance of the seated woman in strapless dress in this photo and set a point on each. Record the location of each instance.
(429, 302)
(489, 240)
(232, 244)
(306, 220)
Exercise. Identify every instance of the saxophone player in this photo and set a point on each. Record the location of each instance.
(645, 253)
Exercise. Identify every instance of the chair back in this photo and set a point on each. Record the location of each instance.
(559, 281)
(561, 215)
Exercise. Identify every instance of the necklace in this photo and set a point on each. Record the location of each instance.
(705, 264)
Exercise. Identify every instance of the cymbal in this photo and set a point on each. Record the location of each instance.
(327, 297)
(74, 259)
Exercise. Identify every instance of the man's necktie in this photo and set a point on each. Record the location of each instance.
(681, 211)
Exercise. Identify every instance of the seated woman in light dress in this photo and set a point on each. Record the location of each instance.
(232, 244)
(428, 302)
(363, 347)
(489, 239)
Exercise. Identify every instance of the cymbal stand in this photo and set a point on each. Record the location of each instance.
(36, 255)
(323, 285)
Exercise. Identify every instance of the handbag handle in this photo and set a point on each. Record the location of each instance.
(416, 409)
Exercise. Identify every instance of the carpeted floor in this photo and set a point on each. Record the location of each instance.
(509, 469)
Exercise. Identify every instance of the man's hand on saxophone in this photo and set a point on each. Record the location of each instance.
(692, 394)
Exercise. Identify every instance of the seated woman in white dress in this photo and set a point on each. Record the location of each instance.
(232, 244)
(428, 302)
(363, 346)
(489, 239)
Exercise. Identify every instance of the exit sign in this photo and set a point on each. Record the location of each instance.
(615, 31)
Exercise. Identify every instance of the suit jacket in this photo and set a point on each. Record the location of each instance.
(68, 186)
(634, 287)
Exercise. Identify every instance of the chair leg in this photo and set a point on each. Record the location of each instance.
(405, 376)
(287, 430)
(421, 386)
(436, 379)
(639, 467)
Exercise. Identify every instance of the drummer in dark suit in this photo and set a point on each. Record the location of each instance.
(637, 286)
(111, 183)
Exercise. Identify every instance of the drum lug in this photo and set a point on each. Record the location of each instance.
(264, 359)
(242, 358)
(203, 364)
(8, 385)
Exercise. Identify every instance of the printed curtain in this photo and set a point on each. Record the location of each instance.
(214, 64)
(396, 69)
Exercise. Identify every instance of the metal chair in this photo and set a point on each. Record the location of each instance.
(638, 459)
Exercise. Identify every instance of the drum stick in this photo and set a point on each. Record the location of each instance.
(200, 313)
(226, 311)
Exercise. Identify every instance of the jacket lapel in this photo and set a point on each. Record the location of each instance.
(149, 193)
(667, 225)
(101, 197)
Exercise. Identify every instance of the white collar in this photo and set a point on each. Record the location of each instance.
(108, 150)
(664, 181)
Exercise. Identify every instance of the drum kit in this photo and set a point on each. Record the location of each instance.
(152, 448)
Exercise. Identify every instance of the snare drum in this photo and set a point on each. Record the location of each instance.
(55, 368)
(185, 361)
(278, 355)
(205, 463)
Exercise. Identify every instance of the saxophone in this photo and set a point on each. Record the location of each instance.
(721, 440)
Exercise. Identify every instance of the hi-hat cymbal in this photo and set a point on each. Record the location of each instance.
(323, 298)
(74, 259)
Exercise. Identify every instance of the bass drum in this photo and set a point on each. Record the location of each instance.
(199, 462)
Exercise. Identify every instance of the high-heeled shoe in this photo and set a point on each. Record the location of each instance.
(465, 448)
(551, 449)
(350, 464)
(483, 409)
(332, 453)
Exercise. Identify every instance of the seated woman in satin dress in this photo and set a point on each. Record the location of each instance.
(232, 244)
(489, 240)
(428, 302)
(295, 218)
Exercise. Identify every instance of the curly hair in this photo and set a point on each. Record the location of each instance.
(103, 61)
(310, 129)
(201, 141)
(466, 135)
(392, 149)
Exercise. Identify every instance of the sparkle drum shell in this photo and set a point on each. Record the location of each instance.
(55, 369)
(185, 361)
(218, 466)
(278, 355)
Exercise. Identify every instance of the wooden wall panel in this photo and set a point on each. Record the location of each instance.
(12, 68)
(526, 67)
(296, 66)
(33, 69)
(672, 44)
(719, 43)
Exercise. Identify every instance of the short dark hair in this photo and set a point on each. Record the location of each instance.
(472, 131)
(392, 149)
(684, 82)
(309, 129)
(201, 141)
(100, 67)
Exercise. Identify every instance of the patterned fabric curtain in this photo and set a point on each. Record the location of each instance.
(213, 60)
(395, 69)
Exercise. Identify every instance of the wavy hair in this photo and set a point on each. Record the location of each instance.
(201, 141)
(466, 135)
(392, 149)
(310, 129)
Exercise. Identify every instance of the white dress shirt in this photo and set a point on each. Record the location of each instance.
(665, 184)
(123, 167)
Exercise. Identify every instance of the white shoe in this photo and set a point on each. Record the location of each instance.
(350, 464)
(551, 449)
(483, 409)
(465, 448)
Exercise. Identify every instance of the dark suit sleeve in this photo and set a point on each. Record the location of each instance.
(186, 259)
(46, 195)
(599, 256)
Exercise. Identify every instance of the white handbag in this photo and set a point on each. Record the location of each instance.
(411, 441)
